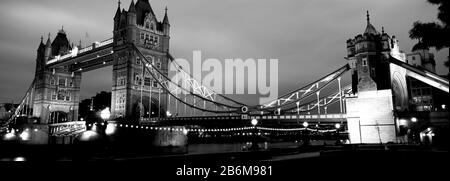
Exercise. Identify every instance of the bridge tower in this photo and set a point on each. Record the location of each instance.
(379, 87)
(133, 87)
(57, 90)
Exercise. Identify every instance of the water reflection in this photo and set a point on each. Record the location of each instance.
(200, 148)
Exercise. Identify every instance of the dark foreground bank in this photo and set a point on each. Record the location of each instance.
(354, 162)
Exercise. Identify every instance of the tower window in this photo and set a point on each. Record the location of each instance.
(68, 97)
(54, 95)
(138, 61)
(147, 81)
(150, 58)
(61, 95)
(364, 61)
(158, 64)
(372, 71)
(62, 82)
(137, 79)
(52, 80)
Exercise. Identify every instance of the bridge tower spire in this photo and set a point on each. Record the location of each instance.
(40, 58)
(166, 24)
(368, 17)
(48, 48)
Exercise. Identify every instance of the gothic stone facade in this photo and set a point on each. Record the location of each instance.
(379, 87)
(56, 91)
(139, 25)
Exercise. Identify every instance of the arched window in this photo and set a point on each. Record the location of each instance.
(147, 25)
(61, 81)
(364, 61)
(158, 63)
(137, 79)
(53, 95)
(151, 39)
(151, 59)
(138, 60)
(152, 26)
(67, 96)
(52, 80)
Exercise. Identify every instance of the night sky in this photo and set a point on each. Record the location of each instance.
(308, 37)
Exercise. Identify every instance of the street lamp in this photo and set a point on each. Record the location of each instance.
(337, 126)
(255, 146)
(105, 114)
(413, 130)
(305, 124)
(306, 137)
(254, 122)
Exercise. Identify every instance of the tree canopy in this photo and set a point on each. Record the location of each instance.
(433, 34)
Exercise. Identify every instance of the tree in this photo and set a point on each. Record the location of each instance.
(434, 34)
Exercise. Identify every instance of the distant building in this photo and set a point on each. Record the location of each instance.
(423, 97)
(89, 107)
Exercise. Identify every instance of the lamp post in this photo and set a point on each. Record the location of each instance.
(337, 126)
(306, 137)
(255, 146)
(104, 114)
(413, 129)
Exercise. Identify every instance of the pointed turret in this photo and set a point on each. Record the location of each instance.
(117, 16)
(131, 15)
(132, 9)
(60, 44)
(142, 8)
(40, 58)
(165, 24)
(41, 44)
(48, 48)
(370, 29)
(166, 18)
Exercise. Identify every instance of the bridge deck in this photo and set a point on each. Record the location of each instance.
(240, 120)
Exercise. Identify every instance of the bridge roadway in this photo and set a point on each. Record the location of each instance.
(244, 120)
(89, 58)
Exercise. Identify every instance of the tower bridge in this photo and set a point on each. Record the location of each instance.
(144, 95)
